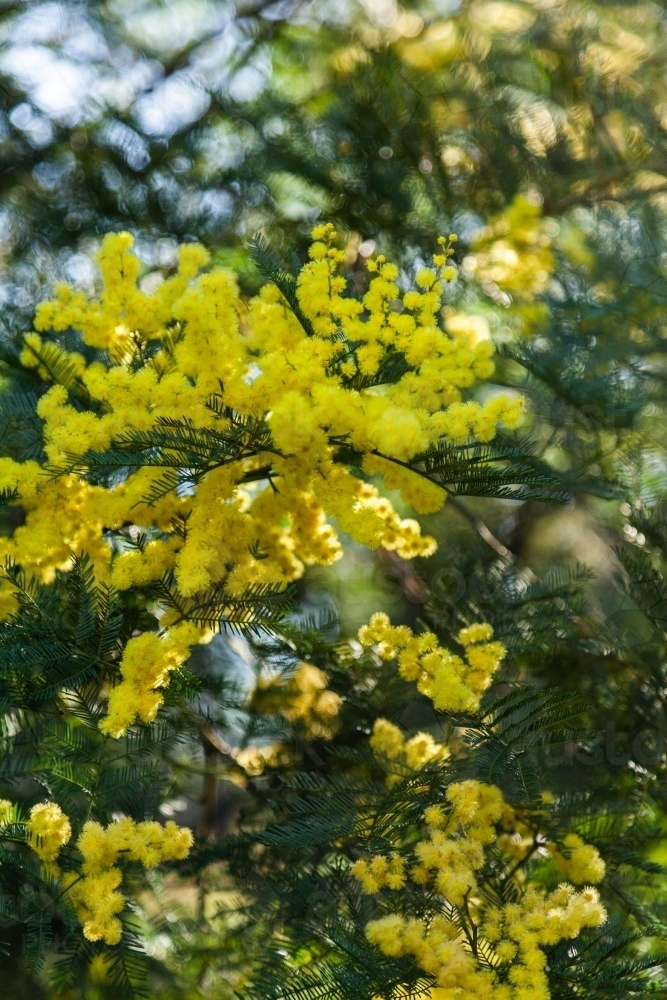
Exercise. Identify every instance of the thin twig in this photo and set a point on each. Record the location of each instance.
(487, 535)
(481, 527)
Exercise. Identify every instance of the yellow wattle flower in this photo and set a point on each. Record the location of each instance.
(95, 894)
(260, 515)
(454, 685)
(48, 830)
(450, 858)
(471, 827)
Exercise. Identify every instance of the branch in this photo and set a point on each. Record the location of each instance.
(480, 527)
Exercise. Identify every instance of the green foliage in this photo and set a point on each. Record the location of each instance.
(398, 133)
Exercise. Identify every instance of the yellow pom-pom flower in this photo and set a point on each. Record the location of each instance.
(268, 399)
(452, 684)
(48, 830)
(96, 892)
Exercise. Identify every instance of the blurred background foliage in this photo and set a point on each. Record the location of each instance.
(536, 131)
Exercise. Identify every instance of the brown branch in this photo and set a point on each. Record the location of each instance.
(487, 535)
(216, 741)
(480, 527)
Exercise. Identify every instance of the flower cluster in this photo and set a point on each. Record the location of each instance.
(452, 859)
(522, 930)
(255, 758)
(48, 830)
(513, 253)
(304, 698)
(95, 892)
(581, 862)
(380, 873)
(473, 845)
(454, 851)
(402, 756)
(145, 666)
(272, 397)
(96, 897)
(452, 684)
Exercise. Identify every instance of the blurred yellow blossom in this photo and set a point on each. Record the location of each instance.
(512, 254)
(581, 862)
(402, 756)
(303, 697)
